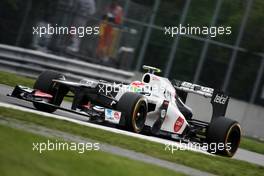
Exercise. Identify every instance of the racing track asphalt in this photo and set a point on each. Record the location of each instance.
(241, 154)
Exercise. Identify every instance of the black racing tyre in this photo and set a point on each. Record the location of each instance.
(134, 108)
(226, 134)
(44, 83)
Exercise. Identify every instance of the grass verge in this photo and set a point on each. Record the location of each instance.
(12, 79)
(212, 164)
(252, 145)
(17, 156)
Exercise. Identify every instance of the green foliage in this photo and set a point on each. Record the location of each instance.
(169, 13)
(217, 59)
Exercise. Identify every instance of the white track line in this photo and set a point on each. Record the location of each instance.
(114, 130)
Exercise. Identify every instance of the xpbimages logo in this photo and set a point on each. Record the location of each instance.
(65, 146)
(212, 147)
(80, 31)
(211, 31)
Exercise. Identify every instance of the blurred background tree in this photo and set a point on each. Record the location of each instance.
(12, 13)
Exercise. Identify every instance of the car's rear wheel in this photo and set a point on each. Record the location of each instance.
(225, 133)
(44, 83)
(134, 109)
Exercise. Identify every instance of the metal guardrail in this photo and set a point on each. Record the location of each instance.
(31, 63)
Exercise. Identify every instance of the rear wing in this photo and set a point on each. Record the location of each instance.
(219, 100)
(193, 88)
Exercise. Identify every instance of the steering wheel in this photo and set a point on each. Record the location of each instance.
(151, 70)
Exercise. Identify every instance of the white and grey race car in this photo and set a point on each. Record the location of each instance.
(152, 105)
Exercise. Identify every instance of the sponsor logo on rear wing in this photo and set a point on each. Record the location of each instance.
(194, 88)
(219, 103)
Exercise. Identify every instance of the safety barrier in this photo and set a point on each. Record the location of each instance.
(31, 63)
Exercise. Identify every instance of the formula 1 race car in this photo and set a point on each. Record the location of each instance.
(154, 105)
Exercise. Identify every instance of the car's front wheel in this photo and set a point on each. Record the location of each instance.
(45, 83)
(134, 109)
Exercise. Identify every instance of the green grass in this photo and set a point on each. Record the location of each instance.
(213, 164)
(252, 145)
(12, 79)
(18, 158)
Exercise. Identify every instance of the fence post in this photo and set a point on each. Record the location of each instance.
(238, 41)
(147, 36)
(23, 23)
(176, 40)
(206, 43)
(258, 81)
